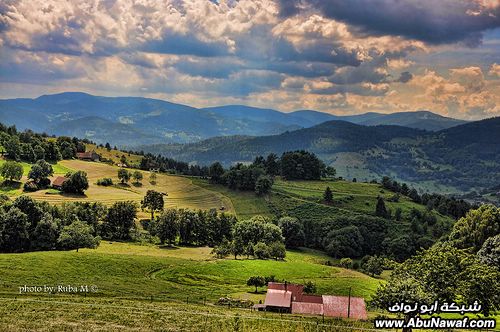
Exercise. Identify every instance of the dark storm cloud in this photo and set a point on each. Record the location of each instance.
(186, 45)
(435, 22)
(405, 77)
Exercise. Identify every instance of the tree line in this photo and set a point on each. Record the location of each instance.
(456, 208)
(30, 147)
(29, 225)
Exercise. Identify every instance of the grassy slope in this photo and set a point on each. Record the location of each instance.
(13, 189)
(246, 204)
(357, 197)
(181, 191)
(135, 271)
(132, 274)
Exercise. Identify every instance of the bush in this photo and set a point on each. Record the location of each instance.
(261, 251)
(236, 303)
(76, 183)
(44, 183)
(310, 287)
(346, 263)
(30, 186)
(105, 182)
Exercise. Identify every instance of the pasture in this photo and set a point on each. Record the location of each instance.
(182, 193)
(131, 275)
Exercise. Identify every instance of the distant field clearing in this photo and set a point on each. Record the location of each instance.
(182, 193)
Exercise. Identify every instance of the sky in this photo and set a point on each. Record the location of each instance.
(337, 56)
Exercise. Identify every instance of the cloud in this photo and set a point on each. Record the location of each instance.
(405, 77)
(380, 55)
(494, 70)
(435, 22)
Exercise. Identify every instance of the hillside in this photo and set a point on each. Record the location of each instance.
(132, 121)
(461, 158)
(137, 284)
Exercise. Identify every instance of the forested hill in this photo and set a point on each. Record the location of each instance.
(104, 119)
(461, 158)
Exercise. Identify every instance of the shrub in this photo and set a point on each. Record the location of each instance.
(105, 182)
(30, 186)
(310, 287)
(346, 263)
(261, 251)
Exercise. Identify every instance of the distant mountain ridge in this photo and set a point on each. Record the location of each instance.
(154, 121)
(461, 158)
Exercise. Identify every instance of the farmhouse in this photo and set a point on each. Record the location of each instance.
(285, 297)
(58, 182)
(89, 156)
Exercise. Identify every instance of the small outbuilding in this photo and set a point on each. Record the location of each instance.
(58, 182)
(88, 156)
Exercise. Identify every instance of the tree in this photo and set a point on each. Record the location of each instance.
(27, 152)
(344, 242)
(152, 178)
(137, 176)
(272, 165)
(45, 234)
(301, 165)
(119, 220)
(471, 231)
(167, 226)
(40, 171)
(373, 265)
(328, 195)
(215, 172)
(256, 229)
(256, 281)
(380, 209)
(153, 201)
(14, 231)
(346, 263)
(123, 175)
(77, 235)
(39, 152)
(13, 148)
(12, 170)
(235, 249)
(263, 185)
(310, 287)
(261, 250)
(330, 172)
(442, 273)
(76, 183)
(293, 232)
(277, 250)
(490, 252)
(222, 250)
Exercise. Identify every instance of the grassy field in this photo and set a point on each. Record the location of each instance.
(134, 271)
(246, 204)
(13, 189)
(182, 193)
(354, 197)
(130, 275)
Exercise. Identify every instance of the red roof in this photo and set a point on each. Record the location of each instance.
(297, 290)
(59, 181)
(278, 298)
(291, 295)
(337, 306)
(307, 308)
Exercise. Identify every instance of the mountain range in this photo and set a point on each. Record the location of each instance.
(457, 159)
(132, 121)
